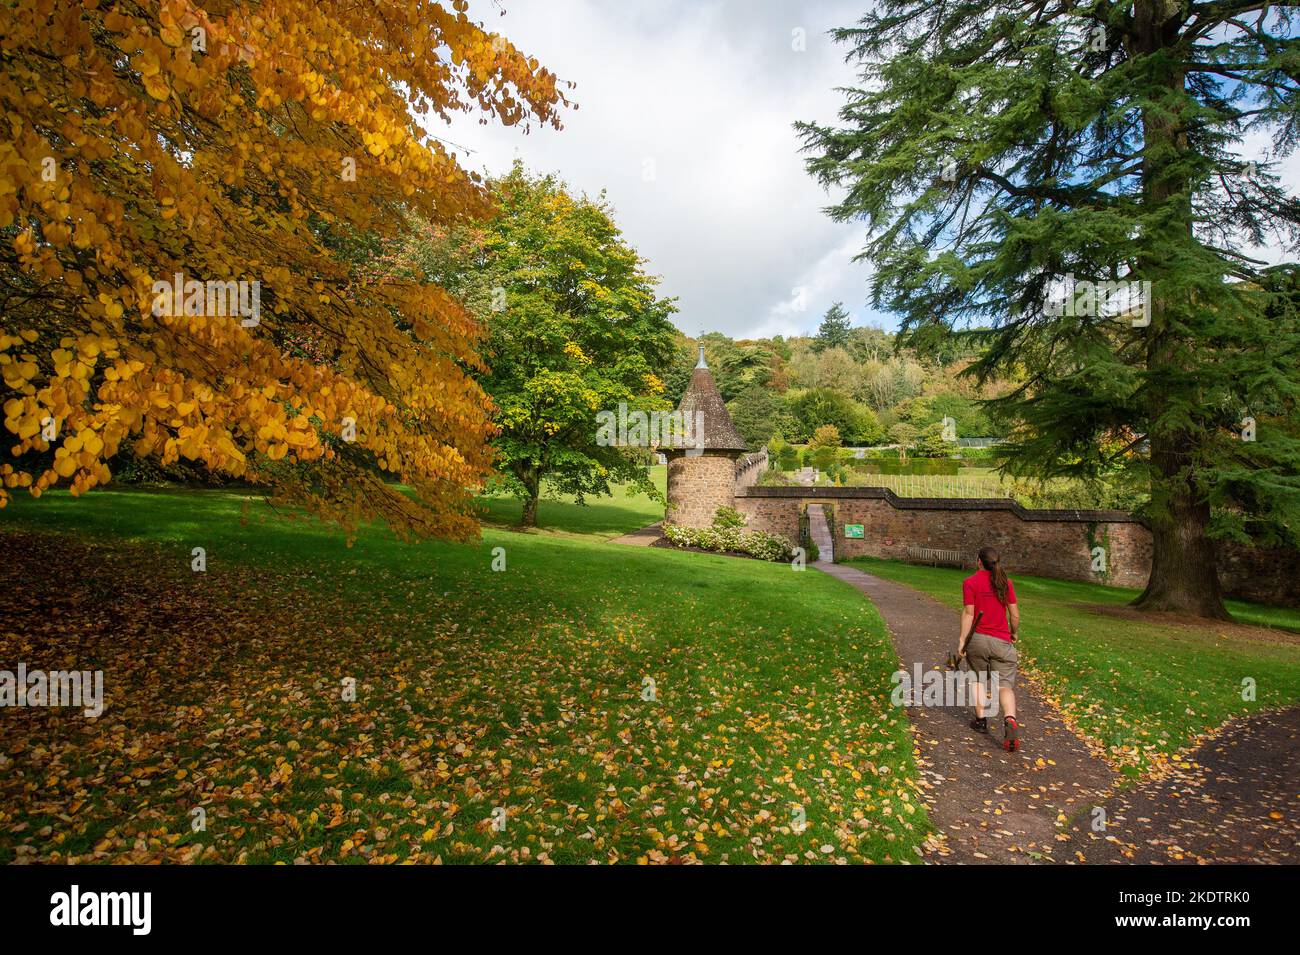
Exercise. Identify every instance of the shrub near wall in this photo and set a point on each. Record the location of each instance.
(728, 535)
(981, 457)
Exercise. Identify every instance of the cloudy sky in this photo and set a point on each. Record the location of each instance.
(684, 119)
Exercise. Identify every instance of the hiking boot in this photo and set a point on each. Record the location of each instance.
(980, 724)
(1010, 734)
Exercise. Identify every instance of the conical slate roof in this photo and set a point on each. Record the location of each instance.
(702, 395)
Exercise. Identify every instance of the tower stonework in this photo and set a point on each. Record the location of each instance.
(702, 478)
(698, 486)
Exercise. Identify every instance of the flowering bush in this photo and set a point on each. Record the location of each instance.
(725, 517)
(758, 544)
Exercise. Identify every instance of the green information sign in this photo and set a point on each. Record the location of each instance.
(852, 530)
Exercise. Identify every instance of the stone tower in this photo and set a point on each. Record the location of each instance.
(702, 478)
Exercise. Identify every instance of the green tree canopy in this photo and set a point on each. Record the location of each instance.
(968, 416)
(575, 328)
(929, 442)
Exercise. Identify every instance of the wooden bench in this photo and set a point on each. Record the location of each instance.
(939, 558)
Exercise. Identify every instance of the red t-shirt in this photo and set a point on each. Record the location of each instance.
(977, 591)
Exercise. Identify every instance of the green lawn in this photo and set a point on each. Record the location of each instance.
(475, 689)
(625, 511)
(1142, 690)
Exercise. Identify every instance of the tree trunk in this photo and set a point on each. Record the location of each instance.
(530, 511)
(1184, 578)
(532, 481)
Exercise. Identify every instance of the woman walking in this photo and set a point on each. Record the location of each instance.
(989, 602)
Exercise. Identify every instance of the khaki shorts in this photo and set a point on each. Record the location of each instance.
(989, 654)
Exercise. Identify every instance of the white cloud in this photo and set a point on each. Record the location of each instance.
(819, 282)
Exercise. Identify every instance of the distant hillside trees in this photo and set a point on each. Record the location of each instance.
(969, 418)
(760, 413)
(866, 386)
(856, 423)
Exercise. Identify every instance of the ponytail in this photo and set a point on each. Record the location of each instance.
(991, 562)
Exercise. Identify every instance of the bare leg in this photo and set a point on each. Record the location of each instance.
(1008, 697)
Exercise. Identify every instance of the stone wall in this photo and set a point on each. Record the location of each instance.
(1046, 543)
(698, 485)
(750, 468)
(1268, 576)
(775, 515)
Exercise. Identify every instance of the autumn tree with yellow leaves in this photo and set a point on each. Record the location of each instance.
(176, 181)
